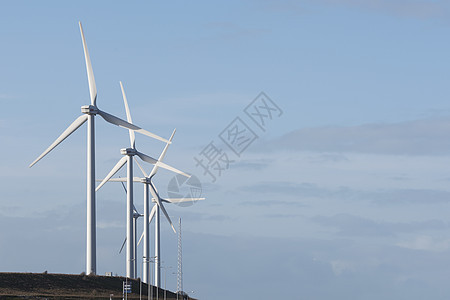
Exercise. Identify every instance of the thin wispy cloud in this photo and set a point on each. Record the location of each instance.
(426, 243)
(256, 165)
(379, 197)
(419, 137)
(422, 9)
(350, 225)
(417, 9)
(234, 32)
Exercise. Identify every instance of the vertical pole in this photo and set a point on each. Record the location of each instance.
(90, 210)
(146, 247)
(180, 261)
(165, 278)
(130, 242)
(151, 280)
(157, 249)
(135, 245)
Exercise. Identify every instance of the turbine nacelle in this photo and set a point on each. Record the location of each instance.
(137, 215)
(89, 109)
(128, 151)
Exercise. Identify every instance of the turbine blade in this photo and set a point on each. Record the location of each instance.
(140, 239)
(127, 110)
(163, 154)
(90, 73)
(121, 248)
(140, 167)
(72, 127)
(124, 188)
(150, 218)
(178, 200)
(152, 214)
(168, 218)
(122, 123)
(167, 167)
(113, 171)
(161, 206)
(146, 158)
(135, 179)
(153, 161)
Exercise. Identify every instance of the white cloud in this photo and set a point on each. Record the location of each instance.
(426, 243)
(340, 266)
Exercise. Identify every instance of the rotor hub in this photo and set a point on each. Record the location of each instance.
(89, 109)
(145, 180)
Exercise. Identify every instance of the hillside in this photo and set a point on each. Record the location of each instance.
(63, 286)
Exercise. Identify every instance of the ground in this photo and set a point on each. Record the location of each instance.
(64, 286)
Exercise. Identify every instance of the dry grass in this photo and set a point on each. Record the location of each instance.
(63, 286)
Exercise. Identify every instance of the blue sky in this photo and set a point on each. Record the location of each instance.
(344, 195)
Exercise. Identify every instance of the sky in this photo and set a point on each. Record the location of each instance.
(325, 122)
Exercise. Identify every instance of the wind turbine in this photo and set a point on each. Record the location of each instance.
(147, 180)
(89, 112)
(158, 205)
(149, 215)
(136, 215)
(128, 159)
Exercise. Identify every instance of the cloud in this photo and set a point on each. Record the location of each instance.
(281, 216)
(252, 164)
(339, 266)
(409, 196)
(426, 243)
(233, 31)
(192, 216)
(419, 137)
(417, 9)
(421, 9)
(302, 190)
(350, 225)
(273, 202)
(312, 269)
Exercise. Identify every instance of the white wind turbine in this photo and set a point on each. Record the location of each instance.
(146, 180)
(89, 112)
(149, 216)
(155, 212)
(128, 158)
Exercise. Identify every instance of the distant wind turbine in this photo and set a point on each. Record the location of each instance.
(147, 180)
(128, 159)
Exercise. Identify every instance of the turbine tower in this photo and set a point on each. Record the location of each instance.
(180, 261)
(136, 216)
(89, 113)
